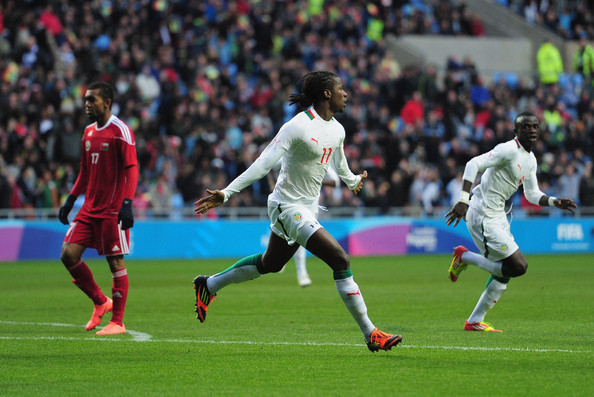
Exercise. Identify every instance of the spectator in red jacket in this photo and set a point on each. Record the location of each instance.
(413, 112)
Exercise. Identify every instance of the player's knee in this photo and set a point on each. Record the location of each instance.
(270, 266)
(67, 257)
(274, 269)
(516, 269)
(340, 261)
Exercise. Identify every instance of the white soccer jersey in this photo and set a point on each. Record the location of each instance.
(306, 144)
(506, 167)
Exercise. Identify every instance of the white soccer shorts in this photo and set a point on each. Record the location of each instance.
(293, 222)
(491, 235)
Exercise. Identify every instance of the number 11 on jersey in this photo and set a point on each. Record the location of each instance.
(326, 154)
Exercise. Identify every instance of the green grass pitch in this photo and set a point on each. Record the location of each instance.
(270, 337)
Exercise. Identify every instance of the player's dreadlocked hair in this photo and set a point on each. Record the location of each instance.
(105, 90)
(313, 85)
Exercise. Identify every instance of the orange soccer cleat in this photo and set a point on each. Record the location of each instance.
(98, 313)
(480, 326)
(380, 340)
(203, 297)
(457, 265)
(112, 329)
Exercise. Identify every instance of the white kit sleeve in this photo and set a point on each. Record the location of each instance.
(486, 160)
(531, 190)
(343, 170)
(259, 168)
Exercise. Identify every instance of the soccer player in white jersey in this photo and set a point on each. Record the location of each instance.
(331, 180)
(306, 145)
(505, 168)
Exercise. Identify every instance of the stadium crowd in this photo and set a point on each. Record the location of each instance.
(569, 19)
(204, 86)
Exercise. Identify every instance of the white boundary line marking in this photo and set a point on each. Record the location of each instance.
(144, 337)
(136, 336)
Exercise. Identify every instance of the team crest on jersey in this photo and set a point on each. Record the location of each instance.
(88, 145)
(297, 217)
(503, 247)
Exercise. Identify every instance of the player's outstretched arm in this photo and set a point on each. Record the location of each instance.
(565, 204)
(214, 199)
(459, 209)
(457, 212)
(358, 188)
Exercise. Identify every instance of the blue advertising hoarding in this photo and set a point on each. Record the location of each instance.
(376, 236)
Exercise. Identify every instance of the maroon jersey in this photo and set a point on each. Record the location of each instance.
(106, 152)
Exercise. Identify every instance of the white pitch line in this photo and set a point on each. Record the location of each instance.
(136, 335)
(514, 349)
(143, 337)
(477, 348)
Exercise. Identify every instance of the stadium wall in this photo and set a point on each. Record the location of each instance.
(490, 55)
(376, 236)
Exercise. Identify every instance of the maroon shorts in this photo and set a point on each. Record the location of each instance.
(105, 235)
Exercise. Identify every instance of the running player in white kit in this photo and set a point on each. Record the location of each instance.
(506, 167)
(306, 145)
(331, 180)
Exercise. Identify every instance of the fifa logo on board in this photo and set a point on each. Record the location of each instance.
(570, 232)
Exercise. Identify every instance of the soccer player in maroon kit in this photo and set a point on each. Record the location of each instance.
(108, 177)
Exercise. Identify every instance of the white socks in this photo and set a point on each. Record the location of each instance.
(475, 259)
(353, 300)
(300, 262)
(490, 296)
(236, 275)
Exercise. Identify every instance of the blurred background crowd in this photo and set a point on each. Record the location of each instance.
(204, 86)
